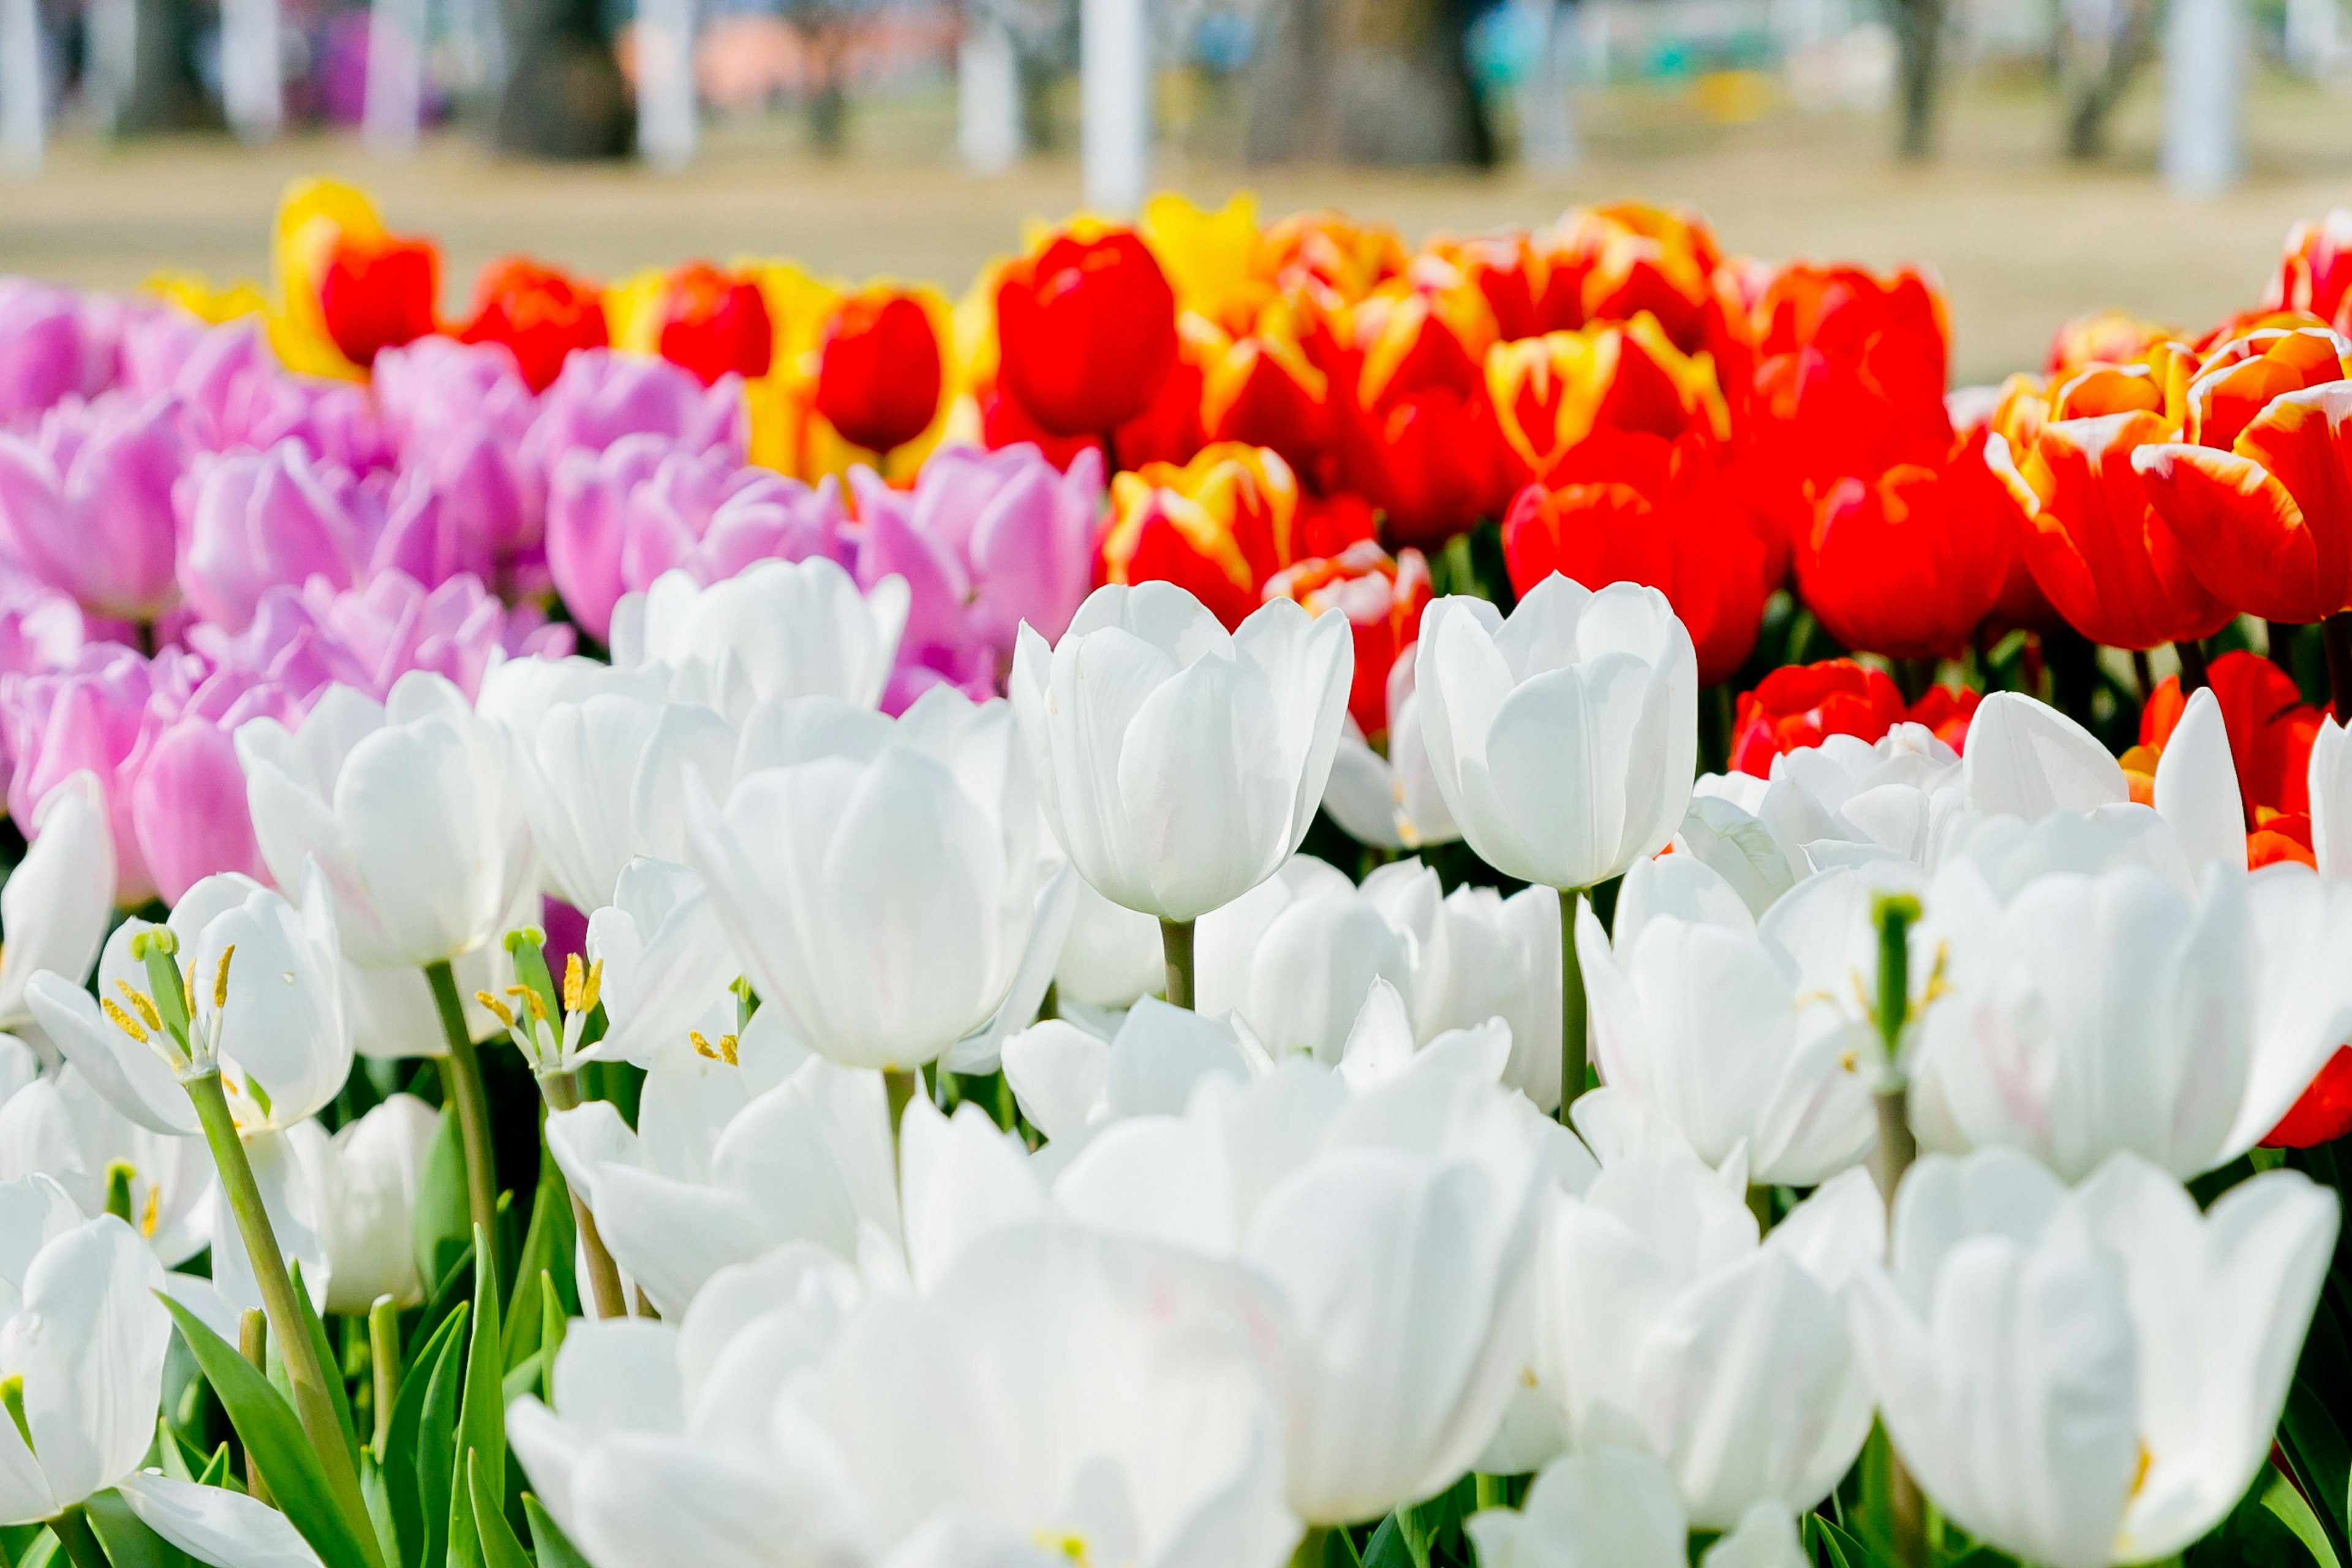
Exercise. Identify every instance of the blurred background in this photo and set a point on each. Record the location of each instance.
(2045, 157)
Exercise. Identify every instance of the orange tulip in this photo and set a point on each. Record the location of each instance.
(2104, 337)
(713, 323)
(378, 292)
(1551, 392)
(1382, 598)
(880, 369)
(2259, 488)
(1421, 441)
(541, 313)
(1218, 527)
(2315, 272)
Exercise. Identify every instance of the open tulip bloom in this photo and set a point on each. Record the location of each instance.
(1206, 917)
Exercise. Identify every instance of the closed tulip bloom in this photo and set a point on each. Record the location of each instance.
(1382, 599)
(1700, 1008)
(1087, 330)
(256, 520)
(53, 344)
(715, 324)
(1419, 438)
(602, 396)
(1529, 280)
(776, 630)
(378, 292)
(1582, 697)
(1635, 509)
(880, 369)
(360, 1190)
(85, 503)
(2088, 1377)
(1218, 527)
(1627, 258)
(1263, 390)
(1665, 1326)
(1390, 799)
(918, 842)
(1179, 766)
(81, 1342)
(460, 414)
(1618, 1506)
(409, 809)
(1552, 393)
(60, 897)
(540, 313)
(2256, 489)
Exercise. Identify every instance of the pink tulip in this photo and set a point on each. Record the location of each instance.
(620, 518)
(53, 344)
(41, 629)
(250, 521)
(460, 413)
(238, 397)
(85, 716)
(601, 397)
(85, 503)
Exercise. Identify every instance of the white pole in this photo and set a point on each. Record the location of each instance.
(112, 65)
(1547, 129)
(395, 76)
(666, 118)
(24, 120)
(2204, 97)
(988, 95)
(1115, 104)
(253, 93)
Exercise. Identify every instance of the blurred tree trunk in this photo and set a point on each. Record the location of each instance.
(1919, 68)
(564, 96)
(1364, 81)
(142, 53)
(2101, 46)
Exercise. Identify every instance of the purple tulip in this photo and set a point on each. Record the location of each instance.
(250, 521)
(53, 344)
(86, 502)
(460, 413)
(601, 397)
(620, 518)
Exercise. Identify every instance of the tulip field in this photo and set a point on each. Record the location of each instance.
(1253, 892)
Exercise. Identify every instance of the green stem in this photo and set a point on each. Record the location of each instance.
(465, 1079)
(899, 1087)
(384, 1369)
(80, 1542)
(253, 1344)
(1572, 1022)
(561, 1092)
(1492, 1491)
(1176, 941)
(287, 1321)
(1311, 1547)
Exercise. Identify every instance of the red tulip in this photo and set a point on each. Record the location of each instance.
(1421, 442)
(713, 323)
(1528, 282)
(541, 312)
(1087, 330)
(378, 294)
(1638, 509)
(1382, 599)
(2324, 1114)
(2270, 727)
(1801, 705)
(1263, 390)
(880, 369)
(1552, 392)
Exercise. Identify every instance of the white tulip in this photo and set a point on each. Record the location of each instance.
(410, 811)
(663, 964)
(2026, 759)
(1709, 1018)
(1180, 765)
(1503, 962)
(776, 629)
(360, 1189)
(56, 1125)
(2302, 989)
(263, 979)
(212, 1524)
(2330, 781)
(56, 903)
(82, 1337)
(1563, 739)
(2088, 1377)
(1391, 801)
(1112, 957)
(1616, 1508)
(1665, 1326)
(886, 889)
(1066, 1080)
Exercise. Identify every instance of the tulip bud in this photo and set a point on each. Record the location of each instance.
(713, 323)
(87, 503)
(541, 313)
(880, 369)
(379, 292)
(1087, 330)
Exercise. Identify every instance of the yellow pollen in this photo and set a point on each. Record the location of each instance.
(595, 987)
(147, 1215)
(1937, 983)
(1847, 1062)
(1065, 1544)
(530, 1002)
(496, 1008)
(724, 1051)
(140, 1004)
(122, 1020)
(2146, 1463)
(220, 977)
(575, 983)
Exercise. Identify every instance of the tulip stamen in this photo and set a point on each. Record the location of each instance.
(220, 977)
(148, 1211)
(496, 1009)
(139, 1001)
(724, 1051)
(122, 1020)
(12, 1395)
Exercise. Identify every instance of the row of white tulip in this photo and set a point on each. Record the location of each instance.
(1333, 1224)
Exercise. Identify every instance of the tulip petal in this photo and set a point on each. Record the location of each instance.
(215, 1525)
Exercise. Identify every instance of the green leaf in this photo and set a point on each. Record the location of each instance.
(442, 1227)
(499, 1547)
(546, 1247)
(551, 1334)
(554, 1548)
(481, 1420)
(2322, 1461)
(172, 1458)
(337, 1394)
(1387, 1548)
(2271, 1527)
(401, 1444)
(437, 1440)
(274, 1437)
(215, 1471)
(521, 1380)
(2288, 1505)
(129, 1543)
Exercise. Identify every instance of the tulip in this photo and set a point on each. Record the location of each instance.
(1382, 599)
(1799, 706)
(618, 519)
(255, 519)
(57, 1127)
(1699, 1008)
(1393, 801)
(59, 897)
(1111, 957)
(2303, 1011)
(2051, 1364)
(1618, 1506)
(53, 344)
(367, 638)
(715, 324)
(86, 505)
(1262, 390)
(777, 630)
(378, 293)
(1633, 509)
(1068, 1082)
(1664, 1324)
(1219, 528)
(362, 1188)
(1423, 444)
(1626, 257)
(1331, 252)
(2254, 491)
(1528, 281)
(1896, 326)
(540, 313)
(2104, 337)
(408, 809)
(460, 414)
(85, 1354)
(879, 370)
(665, 964)
(1215, 261)
(919, 838)
(1908, 562)
(2271, 730)
(1088, 330)
(2313, 272)
(235, 394)
(602, 396)
(1552, 393)
(1179, 766)
(1503, 962)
